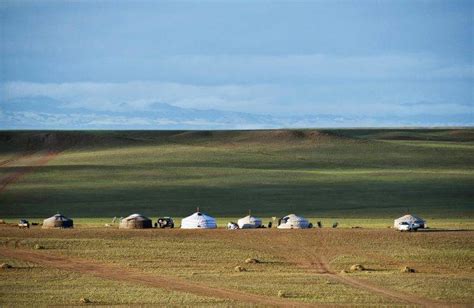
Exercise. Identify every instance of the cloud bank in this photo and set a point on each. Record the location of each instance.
(158, 105)
(264, 98)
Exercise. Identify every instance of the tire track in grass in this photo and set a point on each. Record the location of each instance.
(123, 274)
(318, 263)
(322, 267)
(23, 171)
(17, 157)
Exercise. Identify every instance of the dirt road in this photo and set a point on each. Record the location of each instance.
(43, 159)
(318, 263)
(16, 158)
(119, 273)
(322, 266)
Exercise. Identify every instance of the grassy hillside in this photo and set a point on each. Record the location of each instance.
(324, 173)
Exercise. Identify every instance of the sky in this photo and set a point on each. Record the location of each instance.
(372, 63)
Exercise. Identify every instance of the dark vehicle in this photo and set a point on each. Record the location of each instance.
(23, 224)
(165, 222)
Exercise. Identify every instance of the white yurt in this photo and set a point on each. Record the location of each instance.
(411, 219)
(293, 222)
(249, 222)
(198, 220)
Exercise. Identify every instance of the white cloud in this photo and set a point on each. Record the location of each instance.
(140, 95)
(293, 84)
(263, 98)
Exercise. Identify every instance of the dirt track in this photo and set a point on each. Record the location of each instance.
(320, 265)
(44, 158)
(16, 157)
(119, 273)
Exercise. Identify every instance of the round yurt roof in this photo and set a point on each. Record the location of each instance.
(249, 222)
(58, 221)
(198, 220)
(409, 218)
(293, 221)
(136, 217)
(135, 221)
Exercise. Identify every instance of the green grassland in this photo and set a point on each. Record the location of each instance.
(359, 178)
(325, 173)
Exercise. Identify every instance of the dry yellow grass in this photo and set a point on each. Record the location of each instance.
(293, 261)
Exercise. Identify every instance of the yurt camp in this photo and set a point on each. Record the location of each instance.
(293, 222)
(135, 221)
(249, 222)
(411, 219)
(58, 221)
(198, 220)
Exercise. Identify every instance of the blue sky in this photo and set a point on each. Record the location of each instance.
(378, 60)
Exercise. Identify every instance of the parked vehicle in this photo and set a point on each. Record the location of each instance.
(406, 226)
(23, 224)
(232, 226)
(165, 222)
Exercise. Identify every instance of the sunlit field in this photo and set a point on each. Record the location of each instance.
(345, 174)
(361, 179)
(289, 263)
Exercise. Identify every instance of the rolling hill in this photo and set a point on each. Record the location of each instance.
(319, 173)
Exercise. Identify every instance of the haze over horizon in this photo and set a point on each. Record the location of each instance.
(235, 65)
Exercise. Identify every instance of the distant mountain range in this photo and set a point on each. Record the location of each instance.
(47, 113)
